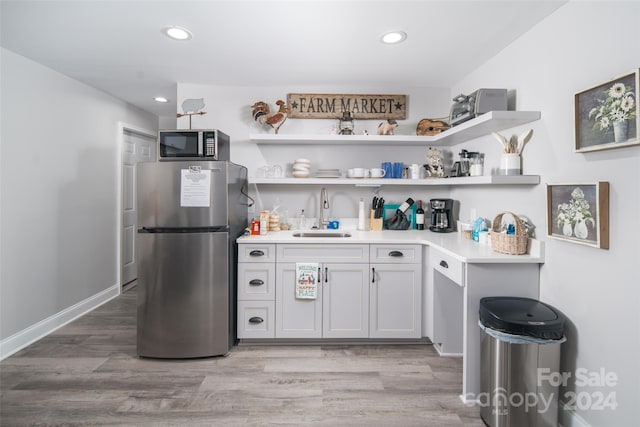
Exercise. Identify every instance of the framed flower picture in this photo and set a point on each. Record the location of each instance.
(607, 115)
(579, 213)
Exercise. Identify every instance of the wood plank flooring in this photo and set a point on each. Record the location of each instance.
(87, 373)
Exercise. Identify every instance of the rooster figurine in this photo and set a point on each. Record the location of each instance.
(262, 114)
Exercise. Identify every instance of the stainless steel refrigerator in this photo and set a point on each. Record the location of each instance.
(189, 216)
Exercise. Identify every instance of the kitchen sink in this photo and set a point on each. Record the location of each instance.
(321, 234)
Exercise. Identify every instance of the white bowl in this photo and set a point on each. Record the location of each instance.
(300, 174)
(301, 167)
(305, 161)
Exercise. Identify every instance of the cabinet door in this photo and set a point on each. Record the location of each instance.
(345, 300)
(395, 301)
(295, 318)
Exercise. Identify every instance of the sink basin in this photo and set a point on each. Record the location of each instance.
(320, 234)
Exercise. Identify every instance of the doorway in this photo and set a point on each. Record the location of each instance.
(138, 145)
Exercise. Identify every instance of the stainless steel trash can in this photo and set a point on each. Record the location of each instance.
(520, 348)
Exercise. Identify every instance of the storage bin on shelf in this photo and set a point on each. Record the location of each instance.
(510, 244)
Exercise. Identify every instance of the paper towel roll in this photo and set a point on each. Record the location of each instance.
(361, 216)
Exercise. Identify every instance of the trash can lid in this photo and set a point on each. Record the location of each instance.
(521, 316)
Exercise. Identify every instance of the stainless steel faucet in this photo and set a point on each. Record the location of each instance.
(324, 204)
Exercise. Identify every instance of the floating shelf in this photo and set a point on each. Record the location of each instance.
(377, 182)
(492, 121)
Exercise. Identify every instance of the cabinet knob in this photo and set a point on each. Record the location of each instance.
(256, 320)
(444, 264)
(396, 254)
(256, 252)
(256, 282)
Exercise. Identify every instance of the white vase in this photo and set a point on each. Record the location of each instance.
(567, 230)
(580, 230)
(620, 130)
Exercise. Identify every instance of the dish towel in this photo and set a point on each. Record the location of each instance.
(306, 280)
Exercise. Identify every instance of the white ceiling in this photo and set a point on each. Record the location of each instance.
(117, 45)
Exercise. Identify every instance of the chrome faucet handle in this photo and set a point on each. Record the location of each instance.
(324, 204)
(324, 198)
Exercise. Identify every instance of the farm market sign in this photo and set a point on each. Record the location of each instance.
(331, 106)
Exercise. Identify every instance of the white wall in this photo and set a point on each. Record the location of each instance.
(581, 45)
(59, 191)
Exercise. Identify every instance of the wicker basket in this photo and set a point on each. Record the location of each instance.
(511, 244)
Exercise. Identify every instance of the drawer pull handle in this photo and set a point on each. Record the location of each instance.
(444, 264)
(256, 320)
(396, 254)
(256, 282)
(256, 252)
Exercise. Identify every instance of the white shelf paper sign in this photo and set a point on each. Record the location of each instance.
(306, 280)
(195, 187)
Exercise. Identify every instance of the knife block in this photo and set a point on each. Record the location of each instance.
(376, 223)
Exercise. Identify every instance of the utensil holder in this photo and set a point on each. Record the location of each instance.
(375, 223)
(510, 164)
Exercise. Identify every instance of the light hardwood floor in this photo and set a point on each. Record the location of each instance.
(87, 373)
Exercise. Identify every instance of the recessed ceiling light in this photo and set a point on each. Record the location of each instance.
(394, 37)
(160, 99)
(177, 33)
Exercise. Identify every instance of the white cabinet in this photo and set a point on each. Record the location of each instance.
(341, 309)
(447, 276)
(395, 301)
(456, 288)
(256, 291)
(256, 281)
(256, 319)
(295, 318)
(345, 300)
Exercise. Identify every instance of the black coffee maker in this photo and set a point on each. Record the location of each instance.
(441, 215)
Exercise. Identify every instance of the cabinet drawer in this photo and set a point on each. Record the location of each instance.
(256, 319)
(323, 253)
(448, 265)
(255, 252)
(397, 254)
(257, 281)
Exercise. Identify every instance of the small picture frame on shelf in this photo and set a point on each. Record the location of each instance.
(579, 213)
(607, 116)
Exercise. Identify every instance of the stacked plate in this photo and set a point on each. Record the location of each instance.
(328, 173)
(301, 168)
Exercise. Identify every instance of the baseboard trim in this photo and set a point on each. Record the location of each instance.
(33, 333)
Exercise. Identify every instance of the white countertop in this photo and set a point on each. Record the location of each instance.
(452, 243)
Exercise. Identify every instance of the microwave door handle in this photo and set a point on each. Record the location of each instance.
(200, 142)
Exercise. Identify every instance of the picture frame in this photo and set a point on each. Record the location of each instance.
(579, 213)
(607, 116)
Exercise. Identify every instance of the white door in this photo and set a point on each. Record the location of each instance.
(345, 300)
(295, 318)
(395, 301)
(137, 146)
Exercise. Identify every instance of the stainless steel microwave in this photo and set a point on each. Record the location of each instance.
(193, 144)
